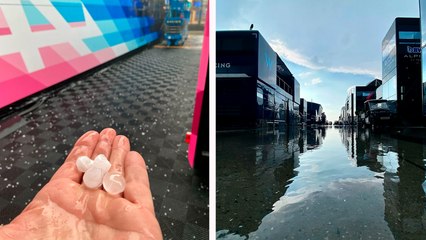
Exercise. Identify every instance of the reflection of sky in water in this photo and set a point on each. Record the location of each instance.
(339, 191)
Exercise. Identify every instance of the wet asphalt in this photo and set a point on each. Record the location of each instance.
(323, 183)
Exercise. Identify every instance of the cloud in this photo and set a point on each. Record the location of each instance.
(313, 82)
(292, 55)
(316, 81)
(313, 63)
(352, 70)
(305, 74)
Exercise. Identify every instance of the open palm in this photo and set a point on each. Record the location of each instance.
(66, 209)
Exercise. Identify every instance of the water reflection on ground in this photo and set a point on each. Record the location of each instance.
(328, 183)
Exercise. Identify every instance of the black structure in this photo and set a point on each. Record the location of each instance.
(288, 87)
(254, 88)
(355, 99)
(401, 70)
(314, 112)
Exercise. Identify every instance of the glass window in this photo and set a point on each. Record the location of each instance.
(392, 88)
(386, 90)
(389, 89)
(379, 92)
(271, 98)
(388, 58)
(389, 46)
(296, 91)
(382, 105)
(409, 35)
(259, 96)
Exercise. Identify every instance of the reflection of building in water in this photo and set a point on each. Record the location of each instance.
(303, 143)
(372, 150)
(403, 171)
(404, 195)
(315, 137)
(253, 172)
(348, 137)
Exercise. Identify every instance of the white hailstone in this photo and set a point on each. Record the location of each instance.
(84, 163)
(93, 177)
(102, 163)
(114, 183)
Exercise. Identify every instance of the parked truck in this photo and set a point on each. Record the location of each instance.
(376, 113)
(176, 22)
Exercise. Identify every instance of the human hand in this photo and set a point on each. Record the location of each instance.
(66, 209)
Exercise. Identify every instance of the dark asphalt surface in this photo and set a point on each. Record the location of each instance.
(320, 183)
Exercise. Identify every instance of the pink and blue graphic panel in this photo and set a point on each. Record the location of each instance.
(4, 28)
(44, 42)
(36, 20)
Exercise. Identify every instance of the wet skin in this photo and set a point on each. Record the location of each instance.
(66, 209)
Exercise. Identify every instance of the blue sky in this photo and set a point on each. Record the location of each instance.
(328, 45)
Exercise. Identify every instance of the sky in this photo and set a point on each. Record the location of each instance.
(328, 45)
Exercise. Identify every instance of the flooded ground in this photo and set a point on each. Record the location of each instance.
(325, 183)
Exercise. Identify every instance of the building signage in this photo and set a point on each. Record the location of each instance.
(414, 49)
(267, 62)
(410, 54)
(223, 65)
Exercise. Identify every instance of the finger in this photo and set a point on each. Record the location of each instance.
(120, 148)
(106, 137)
(84, 146)
(137, 183)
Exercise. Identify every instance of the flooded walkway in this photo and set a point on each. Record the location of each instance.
(329, 183)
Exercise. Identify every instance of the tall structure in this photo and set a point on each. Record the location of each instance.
(401, 69)
(314, 112)
(254, 88)
(289, 87)
(356, 97)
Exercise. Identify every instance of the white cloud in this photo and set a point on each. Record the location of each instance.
(305, 74)
(298, 58)
(316, 81)
(313, 82)
(292, 55)
(353, 70)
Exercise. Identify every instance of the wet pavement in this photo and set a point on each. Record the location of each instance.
(149, 97)
(324, 183)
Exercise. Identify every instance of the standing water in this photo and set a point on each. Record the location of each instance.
(324, 183)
